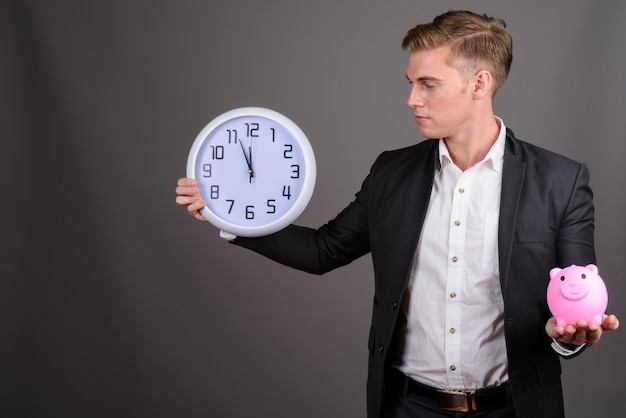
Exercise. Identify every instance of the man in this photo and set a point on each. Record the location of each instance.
(463, 231)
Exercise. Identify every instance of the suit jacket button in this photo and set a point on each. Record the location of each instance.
(394, 305)
(381, 348)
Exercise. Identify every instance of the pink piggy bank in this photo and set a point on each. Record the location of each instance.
(577, 292)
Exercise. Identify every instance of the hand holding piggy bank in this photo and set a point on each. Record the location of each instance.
(577, 292)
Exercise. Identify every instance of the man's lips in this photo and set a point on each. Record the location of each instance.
(420, 119)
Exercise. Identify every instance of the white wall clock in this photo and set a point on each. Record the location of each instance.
(255, 169)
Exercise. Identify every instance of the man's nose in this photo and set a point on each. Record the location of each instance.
(414, 99)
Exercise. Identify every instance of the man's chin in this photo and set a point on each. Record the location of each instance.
(426, 133)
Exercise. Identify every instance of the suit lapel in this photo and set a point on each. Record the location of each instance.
(512, 181)
(402, 225)
(419, 191)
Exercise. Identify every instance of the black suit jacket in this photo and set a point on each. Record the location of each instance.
(546, 220)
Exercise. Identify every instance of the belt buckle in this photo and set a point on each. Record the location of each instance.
(457, 401)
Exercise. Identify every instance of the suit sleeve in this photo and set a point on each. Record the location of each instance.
(317, 251)
(575, 237)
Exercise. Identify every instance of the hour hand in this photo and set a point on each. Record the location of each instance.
(248, 158)
(250, 167)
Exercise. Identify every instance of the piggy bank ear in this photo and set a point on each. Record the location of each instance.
(592, 267)
(554, 272)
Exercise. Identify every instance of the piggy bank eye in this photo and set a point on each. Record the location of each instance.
(584, 276)
(562, 278)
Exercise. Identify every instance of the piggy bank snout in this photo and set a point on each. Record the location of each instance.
(574, 289)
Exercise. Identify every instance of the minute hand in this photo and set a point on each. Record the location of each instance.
(248, 160)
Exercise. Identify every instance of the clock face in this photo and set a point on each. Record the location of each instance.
(255, 169)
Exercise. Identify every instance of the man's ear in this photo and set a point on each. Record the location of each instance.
(482, 84)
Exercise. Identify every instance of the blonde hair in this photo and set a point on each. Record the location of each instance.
(477, 42)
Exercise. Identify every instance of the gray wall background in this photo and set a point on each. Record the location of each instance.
(115, 303)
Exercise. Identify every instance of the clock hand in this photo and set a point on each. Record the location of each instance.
(250, 169)
(248, 160)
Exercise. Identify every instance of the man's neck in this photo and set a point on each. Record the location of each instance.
(470, 147)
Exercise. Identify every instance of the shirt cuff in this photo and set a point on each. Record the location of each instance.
(227, 235)
(566, 350)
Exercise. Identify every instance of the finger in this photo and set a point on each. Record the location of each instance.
(553, 330)
(186, 200)
(610, 322)
(569, 333)
(194, 211)
(195, 206)
(187, 182)
(581, 334)
(199, 216)
(187, 191)
(594, 332)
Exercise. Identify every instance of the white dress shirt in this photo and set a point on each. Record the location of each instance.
(454, 334)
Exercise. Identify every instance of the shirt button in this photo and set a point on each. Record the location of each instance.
(453, 295)
(452, 330)
(457, 223)
(455, 259)
(453, 367)
(461, 190)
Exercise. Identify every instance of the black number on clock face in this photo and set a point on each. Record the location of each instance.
(217, 152)
(206, 170)
(232, 136)
(287, 192)
(215, 192)
(250, 212)
(271, 205)
(252, 130)
(295, 171)
(288, 151)
(231, 203)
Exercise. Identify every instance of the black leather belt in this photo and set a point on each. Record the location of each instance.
(458, 401)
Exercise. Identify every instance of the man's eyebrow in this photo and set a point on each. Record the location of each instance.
(424, 78)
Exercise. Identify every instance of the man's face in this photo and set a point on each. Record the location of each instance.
(441, 98)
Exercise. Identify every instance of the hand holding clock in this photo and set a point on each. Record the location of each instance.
(188, 195)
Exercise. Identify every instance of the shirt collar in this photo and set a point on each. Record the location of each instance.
(495, 155)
